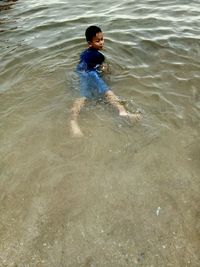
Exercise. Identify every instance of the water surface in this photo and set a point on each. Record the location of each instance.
(125, 194)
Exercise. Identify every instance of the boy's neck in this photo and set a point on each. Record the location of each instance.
(91, 47)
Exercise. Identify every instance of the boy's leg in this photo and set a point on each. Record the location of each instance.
(76, 108)
(114, 100)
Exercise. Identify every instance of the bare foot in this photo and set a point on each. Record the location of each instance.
(76, 131)
(133, 117)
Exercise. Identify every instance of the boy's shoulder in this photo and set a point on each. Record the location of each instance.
(90, 58)
(90, 51)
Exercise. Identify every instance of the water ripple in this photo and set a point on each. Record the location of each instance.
(149, 44)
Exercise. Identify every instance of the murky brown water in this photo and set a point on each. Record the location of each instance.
(123, 195)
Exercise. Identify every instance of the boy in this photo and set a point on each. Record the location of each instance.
(90, 67)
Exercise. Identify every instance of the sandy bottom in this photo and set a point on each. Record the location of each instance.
(120, 196)
(123, 195)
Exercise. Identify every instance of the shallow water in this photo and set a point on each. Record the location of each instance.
(123, 195)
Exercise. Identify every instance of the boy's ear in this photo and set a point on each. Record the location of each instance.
(89, 44)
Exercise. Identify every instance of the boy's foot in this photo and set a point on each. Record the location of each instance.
(76, 131)
(133, 117)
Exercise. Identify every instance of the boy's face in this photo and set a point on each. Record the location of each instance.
(97, 41)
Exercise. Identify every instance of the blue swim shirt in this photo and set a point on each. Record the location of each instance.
(90, 59)
(91, 83)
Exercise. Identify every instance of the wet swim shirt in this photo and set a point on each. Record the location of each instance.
(90, 59)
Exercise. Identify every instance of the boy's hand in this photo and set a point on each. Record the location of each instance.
(105, 68)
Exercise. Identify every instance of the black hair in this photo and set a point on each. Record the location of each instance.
(91, 32)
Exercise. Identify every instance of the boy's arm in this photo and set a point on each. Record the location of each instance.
(104, 68)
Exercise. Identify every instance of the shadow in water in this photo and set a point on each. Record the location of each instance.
(6, 4)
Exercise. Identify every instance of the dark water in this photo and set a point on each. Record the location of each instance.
(123, 195)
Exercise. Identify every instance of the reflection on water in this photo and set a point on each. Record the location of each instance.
(123, 195)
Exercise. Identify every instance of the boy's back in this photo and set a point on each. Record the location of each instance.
(90, 59)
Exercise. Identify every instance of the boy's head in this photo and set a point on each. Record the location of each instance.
(94, 37)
